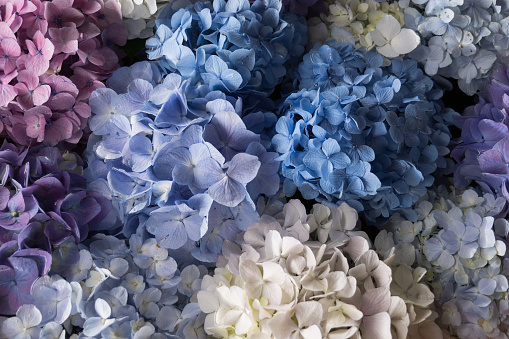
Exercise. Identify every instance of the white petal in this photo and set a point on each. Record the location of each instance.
(406, 41)
(11, 327)
(29, 315)
(208, 301)
(311, 332)
(250, 272)
(273, 272)
(281, 326)
(273, 244)
(388, 26)
(102, 308)
(308, 313)
(377, 326)
(243, 324)
(376, 300)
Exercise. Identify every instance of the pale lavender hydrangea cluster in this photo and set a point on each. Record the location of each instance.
(463, 40)
(462, 244)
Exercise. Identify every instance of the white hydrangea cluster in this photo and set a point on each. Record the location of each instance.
(365, 23)
(461, 242)
(140, 15)
(285, 283)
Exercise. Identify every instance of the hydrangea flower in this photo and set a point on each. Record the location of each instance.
(235, 47)
(462, 245)
(133, 288)
(368, 24)
(481, 154)
(285, 284)
(54, 54)
(44, 203)
(171, 157)
(362, 133)
(466, 39)
(139, 16)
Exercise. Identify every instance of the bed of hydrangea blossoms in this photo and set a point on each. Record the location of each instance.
(259, 169)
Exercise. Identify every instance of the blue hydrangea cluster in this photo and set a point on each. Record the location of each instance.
(362, 133)
(462, 244)
(43, 203)
(235, 47)
(112, 290)
(460, 39)
(178, 162)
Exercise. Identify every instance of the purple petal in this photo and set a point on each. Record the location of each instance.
(6, 278)
(33, 236)
(16, 203)
(4, 197)
(42, 258)
(26, 273)
(492, 161)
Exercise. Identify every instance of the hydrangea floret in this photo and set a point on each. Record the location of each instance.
(362, 133)
(44, 202)
(286, 283)
(54, 54)
(176, 162)
(481, 151)
(235, 47)
(462, 244)
(368, 24)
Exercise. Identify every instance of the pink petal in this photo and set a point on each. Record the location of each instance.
(5, 31)
(59, 130)
(51, 12)
(32, 49)
(37, 64)
(10, 47)
(82, 109)
(48, 49)
(41, 94)
(61, 101)
(73, 15)
(35, 126)
(38, 40)
(89, 30)
(7, 94)
(24, 98)
(88, 6)
(31, 81)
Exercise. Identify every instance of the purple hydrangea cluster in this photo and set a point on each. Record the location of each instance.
(43, 203)
(53, 55)
(482, 152)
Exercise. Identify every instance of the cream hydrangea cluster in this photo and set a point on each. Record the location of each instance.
(460, 241)
(307, 276)
(140, 15)
(365, 23)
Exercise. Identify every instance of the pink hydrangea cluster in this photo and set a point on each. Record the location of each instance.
(53, 55)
